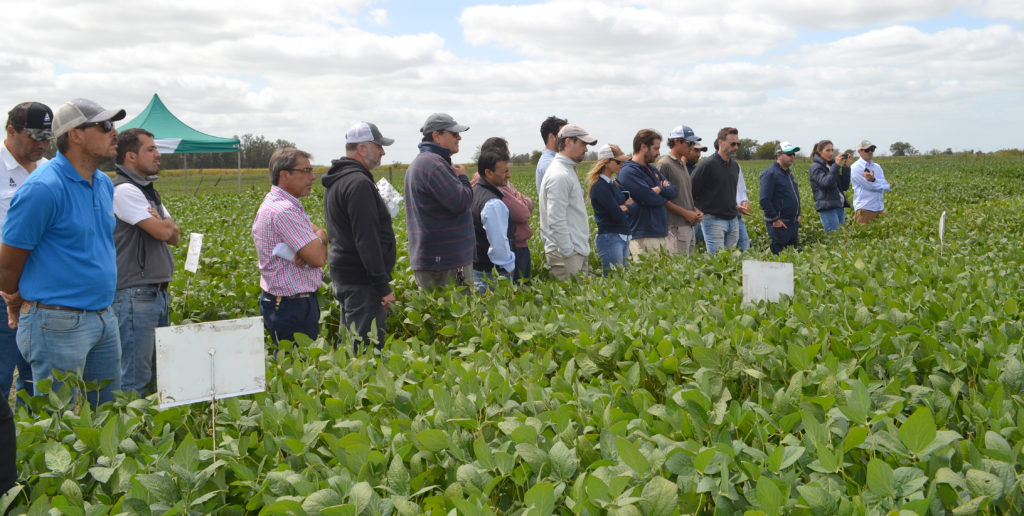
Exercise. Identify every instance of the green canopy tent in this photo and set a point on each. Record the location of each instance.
(174, 136)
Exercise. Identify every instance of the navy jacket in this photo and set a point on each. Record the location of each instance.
(780, 198)
(651, 218)
(828, 182)
(606, 198)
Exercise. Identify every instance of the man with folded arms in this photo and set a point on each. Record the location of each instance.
(58, 267)
(564, 224)
(143, 236)
(291, 250)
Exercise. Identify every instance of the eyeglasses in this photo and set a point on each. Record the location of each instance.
(307, 170)
(734, 144)
(872, 149)
(106, 125)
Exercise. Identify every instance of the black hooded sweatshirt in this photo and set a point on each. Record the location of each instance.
(362, 250)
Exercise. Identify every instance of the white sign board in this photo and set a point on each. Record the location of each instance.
(195, 245)
(195, 362)
(766, 281)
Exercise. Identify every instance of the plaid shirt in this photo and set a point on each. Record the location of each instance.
(281, 218)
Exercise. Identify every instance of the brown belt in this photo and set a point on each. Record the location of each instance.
(27, 305)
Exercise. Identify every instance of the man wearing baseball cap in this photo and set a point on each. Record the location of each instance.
(57, 259)
(362, 248)
(683, 216)
(564, 225)
(438, 197)
(780, 199)
(869, 185)
(28, 136)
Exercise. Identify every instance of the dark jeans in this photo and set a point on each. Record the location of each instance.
(360, 309)
(783, 237)
(296, 315)
(11, 358)
(522, 264)
(8, 448)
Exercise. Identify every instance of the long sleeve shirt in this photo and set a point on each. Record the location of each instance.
(495, 220)
(868, 195)
(546, 156)
(607, 198)
(780, 199)
(714, 184)
(564, 224)
(651, 220)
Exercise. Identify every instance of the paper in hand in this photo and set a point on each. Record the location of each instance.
(283, 251)
(390, 196)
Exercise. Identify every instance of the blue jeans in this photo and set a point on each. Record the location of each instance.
(744, 241)
(295, 315)
(832, 219)
(361, 310)
(523, 262)
(698, 233)
(782, 238)
(612, 249)
(10, 358)
(140, 311)
(485, 280)
(66, 340)
(720, 233)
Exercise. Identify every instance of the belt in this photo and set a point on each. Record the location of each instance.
(277, 299)
(27, 306)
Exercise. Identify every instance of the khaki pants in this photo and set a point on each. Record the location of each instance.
(565, 267)
(639, 246)
(681, 239)
(866, 216)
(432, 280)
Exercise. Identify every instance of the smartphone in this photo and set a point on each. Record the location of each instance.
(626, 193)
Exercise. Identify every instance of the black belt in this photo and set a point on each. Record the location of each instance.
(26, 306)
(277, 299)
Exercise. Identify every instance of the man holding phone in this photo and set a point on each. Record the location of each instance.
(869, 185)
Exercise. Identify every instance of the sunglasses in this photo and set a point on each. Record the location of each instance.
(872, 149)
(734, 144)
(106, 125)
(790, 154)
(307, 170)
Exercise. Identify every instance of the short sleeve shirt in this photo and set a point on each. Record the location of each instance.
(12, 176)
(282, 219)
(131, 205)
(67, 224)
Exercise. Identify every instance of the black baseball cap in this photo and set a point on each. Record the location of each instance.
(34, 117)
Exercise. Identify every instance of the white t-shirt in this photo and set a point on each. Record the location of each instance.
(12, 176)
(131, 205)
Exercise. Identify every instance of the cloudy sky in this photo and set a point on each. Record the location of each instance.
(935, 73)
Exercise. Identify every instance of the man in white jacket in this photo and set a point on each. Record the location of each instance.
(563, 215)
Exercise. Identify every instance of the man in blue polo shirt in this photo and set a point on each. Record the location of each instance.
(57, 260)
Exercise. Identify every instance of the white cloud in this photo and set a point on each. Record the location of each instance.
(379, 17)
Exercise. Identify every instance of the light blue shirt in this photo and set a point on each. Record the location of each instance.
(546, 156)
(494, 217)
(868, 195)
(67, 225)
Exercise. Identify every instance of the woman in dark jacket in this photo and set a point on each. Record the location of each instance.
(829, 179)
(612, 208)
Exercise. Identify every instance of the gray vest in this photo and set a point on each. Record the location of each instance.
(141, 259)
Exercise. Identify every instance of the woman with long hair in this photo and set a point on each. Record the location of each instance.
(612, 207)
(829, 179)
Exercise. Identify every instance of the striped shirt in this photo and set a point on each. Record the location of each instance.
(282, 219)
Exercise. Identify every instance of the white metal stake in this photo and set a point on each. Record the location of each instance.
(213, 396)
(942, 233)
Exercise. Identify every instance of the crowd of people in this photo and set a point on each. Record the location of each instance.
(85, 260)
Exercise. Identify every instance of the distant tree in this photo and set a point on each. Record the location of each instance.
(948, 151)
(903, 149)
(520, 159)
(535, 157)
(590, 156)
(748, 147)
(767, 150)
(934, 152)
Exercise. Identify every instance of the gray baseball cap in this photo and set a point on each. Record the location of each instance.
(575, 131)
(442, 122)
(367, 132)
(81, 111)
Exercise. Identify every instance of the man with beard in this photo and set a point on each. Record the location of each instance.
(714, 192)
(290, 249)
(28, 136)
(362, 251)
(58, 268)
(650, 190)
(563, 215)
(142, 237)
(683, 216)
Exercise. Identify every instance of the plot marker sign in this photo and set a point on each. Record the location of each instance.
(766, 281)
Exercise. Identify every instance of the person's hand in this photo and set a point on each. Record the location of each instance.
(779, 224)
(656, 189)
(460, 170)
(298, 261)
(629, 201)
(799, 219)
(623, 207)
(869, 175)
(665, 184)
(744, 208)
(388, 300)
(14, 302)
(153, 213)
(700, 215)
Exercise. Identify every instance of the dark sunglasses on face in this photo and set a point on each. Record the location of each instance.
(734, 144)
(790, 154)
(106, 125)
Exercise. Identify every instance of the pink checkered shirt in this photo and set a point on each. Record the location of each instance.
(282, 218)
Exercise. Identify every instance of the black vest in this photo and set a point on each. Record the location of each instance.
(483, 192)
(141, 259)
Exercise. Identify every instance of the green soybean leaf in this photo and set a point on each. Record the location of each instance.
(660, 497)
(540, 499)
(563, 461)
(630, 454)
(880, 478)
(918, 431)
(432, 439)
(769, 497)
(57, 458)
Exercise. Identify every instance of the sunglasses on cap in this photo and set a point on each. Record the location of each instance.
(106, 125)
